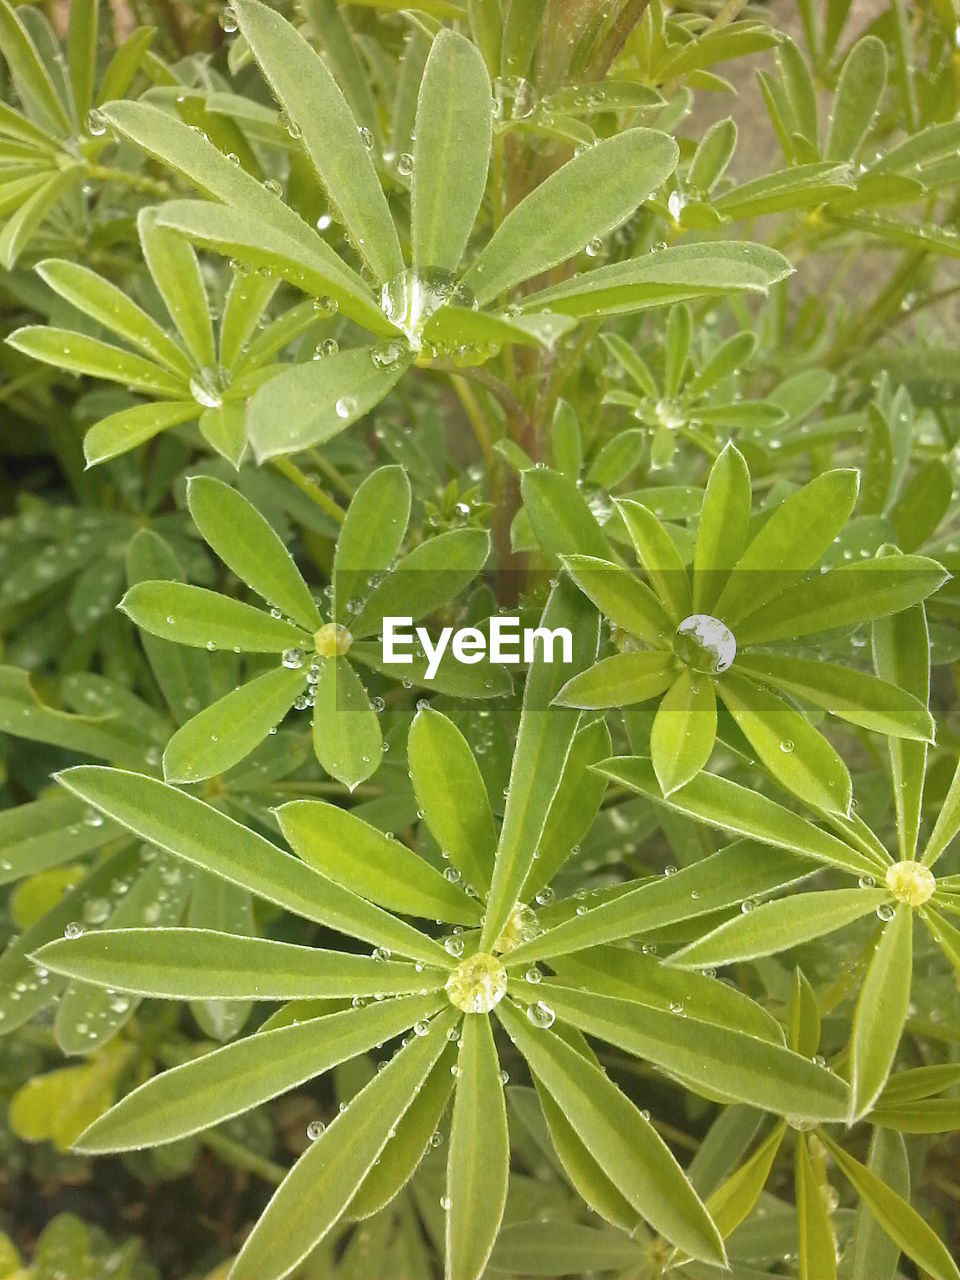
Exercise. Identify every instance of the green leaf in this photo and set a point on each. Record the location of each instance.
(684, 730)
(922, 504)
(247, 299)
(844, 597)
(702, 1054)
(225, 430)
(563, 523)
(295, 254)
(248, 545)
(677, 274)
(20, 228)
(76, 353)
(232, 1079)
(340, 49)
(429, 576)
(206, 838)
(352, 853)
(725, 804)
(573, 808)
(371, 535)
(478, 1163)
(643, 980)
(818, 1250)
(589, 196)
(722, 531)
(791, 749)
(200, 964)
(875, 1255)
(317, 1191)
(181, 673)
(223, 734)
(624, 1144)
(620, 680)
(30, 75)
(901, 1222)
(632, 363)
(193, 615)
(449, 788)
(659, 557)
(311, 98)
(563, 1248)
(881, 1012)
(129, 428)
(34, 836)
(311, 403)
(735, 1199)
(859, 90)
(221, 907)
(346, 732)
(23, 714)
(843, 691)
(620, 596)
(454, 134)
(124, 65)
(544, 736)
(112, 307)
(792, 540)
(714, 152)
(778, 926)
(412, 1140)
(901, 655)
(176, 272)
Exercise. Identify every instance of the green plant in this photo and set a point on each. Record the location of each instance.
(464, 316)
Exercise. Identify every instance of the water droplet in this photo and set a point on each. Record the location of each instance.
(786, 746)
(96, 122)
(315, 1129)
(228, 20)
(324, 348)
(705, 643)
(541, 1015)
(747, 905)
(514, 98)
(886, 911)
(73, 930)
(478, 983)
(346, 406)
(209, 385)
(405, 164)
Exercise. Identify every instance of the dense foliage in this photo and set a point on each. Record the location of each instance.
(642, 962)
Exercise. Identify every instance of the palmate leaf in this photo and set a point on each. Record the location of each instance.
(317, 1190)
(185, 826)
(230, 1080)
(626, 1145)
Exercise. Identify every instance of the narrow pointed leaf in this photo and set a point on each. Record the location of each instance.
(881, 1012)
(206, 619)
(684, 730)
(318, 1189)
(224, 733)
(371, 535)
(588, 196)
(311, 98)
(346, 731)
(201, 964)
(478, 1164)
(626, 1145)
(248, 545)
(620, 596)
(353, 853)
(449, 788)
(659, 557)
(185, 826)
(620, 680)
(231, 1080)
(722, 530)
(454, 134)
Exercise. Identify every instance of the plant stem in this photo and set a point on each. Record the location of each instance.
(323, 500)
(240, 1157)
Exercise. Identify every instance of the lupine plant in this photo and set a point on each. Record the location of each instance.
(608, 351)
